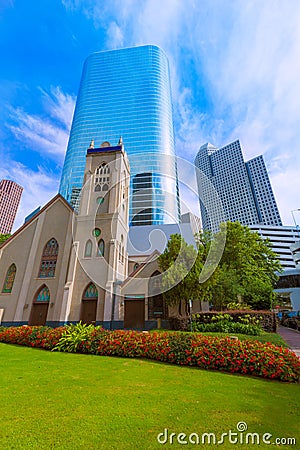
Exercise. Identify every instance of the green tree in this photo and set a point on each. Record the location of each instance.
(181, 265)
(247, 269)
(226, 287)
(178, 277)
(3, 238)
(246, 272)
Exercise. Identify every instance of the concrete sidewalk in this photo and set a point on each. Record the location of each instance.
(291, 337)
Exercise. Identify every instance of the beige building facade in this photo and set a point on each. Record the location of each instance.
(62, 266)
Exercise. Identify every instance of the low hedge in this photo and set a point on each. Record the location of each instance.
(267, 319)
(226, 323)
(190, 349)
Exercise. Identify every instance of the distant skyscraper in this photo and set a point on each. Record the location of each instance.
(243, 188)
(266, 205)
(127, 93)
(10, 196)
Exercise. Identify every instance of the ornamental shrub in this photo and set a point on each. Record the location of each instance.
(267, 319)
(236, 306)
(73, 335)
(225, 323)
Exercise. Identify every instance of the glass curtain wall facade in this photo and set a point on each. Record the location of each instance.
(127, 93)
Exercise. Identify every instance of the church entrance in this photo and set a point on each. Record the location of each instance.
(40, 305)
(38, 314)
(89, 305)
(134, 313)
(88, 311)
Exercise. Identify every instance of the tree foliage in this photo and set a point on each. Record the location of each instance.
(3, 238)
(245, 273)
(181, 265)
(249, 261)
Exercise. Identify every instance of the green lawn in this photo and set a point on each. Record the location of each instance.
(274, 338)
(72, 401)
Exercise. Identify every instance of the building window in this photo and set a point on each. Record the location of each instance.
(43, 295)
(88, 249)
(101, 248)
(157, 307)
(102, 177)
(9, 279)
(96, 232)
(90, 292)
(49, 259)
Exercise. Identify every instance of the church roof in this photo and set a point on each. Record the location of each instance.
(58, 197)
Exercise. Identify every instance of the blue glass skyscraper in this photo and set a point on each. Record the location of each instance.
(127, 93)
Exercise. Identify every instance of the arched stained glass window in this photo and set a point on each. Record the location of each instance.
(49, 259)
(101, 248)
(88, 249)
(43, 295)
(90, 292)
(9, 279)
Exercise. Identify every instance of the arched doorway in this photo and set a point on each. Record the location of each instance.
(40, 305)
(157, 307)
(89, 304)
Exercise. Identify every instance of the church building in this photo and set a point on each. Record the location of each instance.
(64, 266)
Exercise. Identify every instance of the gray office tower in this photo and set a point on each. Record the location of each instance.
(127, 93)
(243, 188)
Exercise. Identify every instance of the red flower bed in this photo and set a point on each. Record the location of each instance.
(192, 349)
(40, 337)
(205, 352)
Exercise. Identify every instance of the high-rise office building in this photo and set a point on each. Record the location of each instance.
(266, 205)
(281, 239)
(10, 196)
(244, 189)
(127, 93)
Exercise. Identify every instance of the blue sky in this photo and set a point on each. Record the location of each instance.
(234, 71)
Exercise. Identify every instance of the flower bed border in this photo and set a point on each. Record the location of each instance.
(190, 349)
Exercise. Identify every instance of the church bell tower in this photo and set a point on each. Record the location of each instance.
(100, 235)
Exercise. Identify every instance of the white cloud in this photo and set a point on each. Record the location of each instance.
(243, 56)
(286, 185)
(39, 187)
(115, 38)
(39, 134)
(47, 135)
(59, 105)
